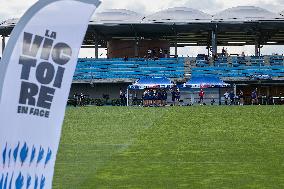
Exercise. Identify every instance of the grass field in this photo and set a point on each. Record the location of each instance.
(168, 148)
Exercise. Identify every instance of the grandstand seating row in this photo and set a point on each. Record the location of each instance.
(176, 68)
(88, 69)
(242, 71)
(235, 61)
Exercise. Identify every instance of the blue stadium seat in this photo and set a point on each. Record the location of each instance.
(134, 68)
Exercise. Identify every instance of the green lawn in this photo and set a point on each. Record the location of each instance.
(168, 148)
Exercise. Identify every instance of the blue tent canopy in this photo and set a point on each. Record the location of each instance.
(206, 82)
(151, 83)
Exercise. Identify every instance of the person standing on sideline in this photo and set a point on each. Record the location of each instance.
(201, 96)
(147, 98)
(232, 98)
(160, 98)
(82, 99)
(174, 97)
(165, 97)
(75, 99)
(254, 97)
(226, 96)
(178, 96)
(125, 99)
(144, 98)
(241, 96)
(121, 96)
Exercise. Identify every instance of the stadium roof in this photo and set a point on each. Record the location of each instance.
(246, 14)
(178, 15)
(117, 16)
(242, 25)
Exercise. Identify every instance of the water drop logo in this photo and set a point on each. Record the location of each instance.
(48, 157)
(5, 183)
(1, 181)
(9, 157)
(36, 182)
(24, 154)
(11, 181)
(40, 155)
(29, 181)
(15, 153)
(32, 155)
(42, 182)
(4, 155)
(20, 181)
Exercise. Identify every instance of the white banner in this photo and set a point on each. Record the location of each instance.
(36, 73)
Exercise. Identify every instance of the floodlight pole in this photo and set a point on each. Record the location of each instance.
(96, 47)
(3, 44)
(235, 89)
(214, 43)
(136, 47)
(176, 46)
(208, 50)
(214, 40)
(256, 46)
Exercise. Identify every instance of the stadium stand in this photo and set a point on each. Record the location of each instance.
(88, 69)
(237, 61)
(276, 60)
(244, 68)
(225, 67)
(202, 60)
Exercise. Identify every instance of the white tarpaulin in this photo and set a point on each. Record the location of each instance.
(36, 73)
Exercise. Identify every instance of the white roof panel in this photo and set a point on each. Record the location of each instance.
(117, 16)
(178, 15)
(246, 14)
